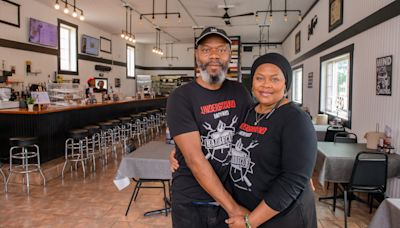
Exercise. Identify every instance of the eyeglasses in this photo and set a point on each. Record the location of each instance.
(206, 51)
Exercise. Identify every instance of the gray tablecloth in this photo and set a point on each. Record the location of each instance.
(321, 131)
(387, 215)
(149, 161)
(335, 161)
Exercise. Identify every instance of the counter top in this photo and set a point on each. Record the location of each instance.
(52, 109)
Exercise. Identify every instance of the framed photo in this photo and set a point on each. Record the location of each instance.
(9, 13)
(335, 14)
(105, 45)
(384, 75)
(297, 43)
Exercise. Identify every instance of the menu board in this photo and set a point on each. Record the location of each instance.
(234, 72)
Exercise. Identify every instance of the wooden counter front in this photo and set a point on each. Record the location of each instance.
(51, 125)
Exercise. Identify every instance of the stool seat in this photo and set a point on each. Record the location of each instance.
(114, 121)
(23, 141)
(92, 129)
(78, 133)
(125, 120)
(105, 125)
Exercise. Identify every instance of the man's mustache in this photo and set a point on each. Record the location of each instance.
(213, 63)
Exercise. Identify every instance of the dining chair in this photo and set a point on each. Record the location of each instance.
(345, 137)
(369, 175)
(331, 131)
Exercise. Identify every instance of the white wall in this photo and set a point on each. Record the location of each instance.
(381, 40)
(47, 64)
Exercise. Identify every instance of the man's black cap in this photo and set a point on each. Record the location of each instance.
(213, 31)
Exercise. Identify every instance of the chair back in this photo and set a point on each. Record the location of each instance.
(331, 131)
(369, 172)
(345, 137)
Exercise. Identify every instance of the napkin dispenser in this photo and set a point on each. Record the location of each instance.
(322, 119)
(373, 139)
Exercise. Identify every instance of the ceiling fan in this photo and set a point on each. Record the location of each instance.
(226, 17)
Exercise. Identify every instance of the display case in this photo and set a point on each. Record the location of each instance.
(65, 94)
(166, 83)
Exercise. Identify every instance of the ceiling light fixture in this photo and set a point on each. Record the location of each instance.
(129, 36)
(66, 8)
(152, 14)
(157, 49)
(284, 11)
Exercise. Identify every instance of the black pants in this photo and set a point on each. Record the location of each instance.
(201, 216)
(302, 214)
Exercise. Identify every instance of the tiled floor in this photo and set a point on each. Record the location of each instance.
(96, 202)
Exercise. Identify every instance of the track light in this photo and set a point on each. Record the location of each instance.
(179, 18)
(270, 11)
(67, 7)
(257, 18)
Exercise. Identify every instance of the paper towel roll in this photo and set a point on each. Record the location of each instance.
(322, 119)
(373, 139)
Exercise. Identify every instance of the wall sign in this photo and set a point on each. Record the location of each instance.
(310, 80)
(311, 26)
(384, 75)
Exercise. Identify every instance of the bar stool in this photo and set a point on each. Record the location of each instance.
(126, 132)
(144, 125)
(107, 139)
(24, 149)
(4, 177)
(136, 131)
(94, 144)
(76, 149)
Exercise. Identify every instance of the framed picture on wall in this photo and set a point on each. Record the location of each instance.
(384, 75)
(117, 83)
(105, 45)
(9, 13)
(335, 14)
(297, 43)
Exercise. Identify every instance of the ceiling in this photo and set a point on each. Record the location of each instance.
(109, 15)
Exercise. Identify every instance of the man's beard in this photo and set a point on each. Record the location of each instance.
(213, 79)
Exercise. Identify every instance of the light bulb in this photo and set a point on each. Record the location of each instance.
(74, 14)
(134, 40)
(257, 18)
(66, 10)
(270, 18)
(299, 18)
(57, 6)
(126, 37)
(285, 18)
(122, 35)
(179, 20)
(130, 39)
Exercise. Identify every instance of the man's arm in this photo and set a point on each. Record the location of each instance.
(190, 146)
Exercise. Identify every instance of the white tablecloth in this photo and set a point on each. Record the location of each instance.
(387, 215)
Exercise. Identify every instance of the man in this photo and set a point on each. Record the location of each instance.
(202, 117)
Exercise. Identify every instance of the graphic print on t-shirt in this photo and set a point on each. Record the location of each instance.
(241, 164)
(217, 141)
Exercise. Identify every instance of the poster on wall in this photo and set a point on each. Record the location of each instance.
(117, 83)
(384, 75)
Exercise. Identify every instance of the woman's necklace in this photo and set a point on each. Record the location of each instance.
(259, 117)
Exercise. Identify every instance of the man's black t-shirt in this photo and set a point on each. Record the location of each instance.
(273, 160)
(215, 114)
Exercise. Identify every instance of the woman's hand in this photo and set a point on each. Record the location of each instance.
(236, 222)
(173, 163)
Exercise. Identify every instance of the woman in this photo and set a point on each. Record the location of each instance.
(273, 153)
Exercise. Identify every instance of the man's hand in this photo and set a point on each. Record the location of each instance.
(173, 163)
(236, 222)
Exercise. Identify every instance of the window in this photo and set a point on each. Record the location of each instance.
(297, 85)
(130, 61)
(68, 48)
(336, 84)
